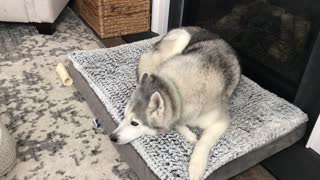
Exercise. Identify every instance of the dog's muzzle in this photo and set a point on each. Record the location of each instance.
(113, 137)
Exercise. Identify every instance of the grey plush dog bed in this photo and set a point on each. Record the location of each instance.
(262, 125)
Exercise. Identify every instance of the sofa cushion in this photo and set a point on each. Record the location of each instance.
(31, 10)
(13, 11)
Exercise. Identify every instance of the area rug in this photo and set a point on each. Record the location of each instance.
(259, 117)
(51, 124)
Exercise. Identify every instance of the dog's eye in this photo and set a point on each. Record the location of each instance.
(133, 123)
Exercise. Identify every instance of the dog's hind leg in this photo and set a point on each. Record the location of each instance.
(209, 138)
(187, 133)
(148, 63)
(173, 43)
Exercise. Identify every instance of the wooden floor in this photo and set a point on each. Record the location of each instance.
(111, 42)
(255, 173)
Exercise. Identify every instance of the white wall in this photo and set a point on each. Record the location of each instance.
(314, 140)
(160, 16)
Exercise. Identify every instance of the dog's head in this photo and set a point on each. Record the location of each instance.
(146, 112)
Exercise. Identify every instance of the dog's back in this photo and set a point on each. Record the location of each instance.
(204, 68)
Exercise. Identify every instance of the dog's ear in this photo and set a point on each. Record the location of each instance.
(156, 110)
(143, 78)
(156, 104)
(152, 78)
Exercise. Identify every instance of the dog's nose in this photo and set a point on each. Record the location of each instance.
(113, 137)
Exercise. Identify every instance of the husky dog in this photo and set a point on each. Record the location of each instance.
(185, 81)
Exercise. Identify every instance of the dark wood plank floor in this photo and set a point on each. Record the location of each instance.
(111, 42)
(255, 173)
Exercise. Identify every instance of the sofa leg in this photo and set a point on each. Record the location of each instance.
(46, 28)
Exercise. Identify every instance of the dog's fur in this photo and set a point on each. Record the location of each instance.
(185, 80)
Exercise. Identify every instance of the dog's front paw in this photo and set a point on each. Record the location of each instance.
(196, 170)
(188, 134)
(192, 139)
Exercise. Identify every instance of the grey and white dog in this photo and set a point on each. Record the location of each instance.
(186, 79)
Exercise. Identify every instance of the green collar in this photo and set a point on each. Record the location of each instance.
(180, 104)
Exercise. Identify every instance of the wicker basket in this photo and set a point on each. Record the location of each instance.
(111, 18)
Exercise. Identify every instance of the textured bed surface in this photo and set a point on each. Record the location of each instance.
(259, 117)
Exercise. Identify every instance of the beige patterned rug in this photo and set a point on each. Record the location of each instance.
(51, 123)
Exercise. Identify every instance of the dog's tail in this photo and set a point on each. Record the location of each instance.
(173, 43)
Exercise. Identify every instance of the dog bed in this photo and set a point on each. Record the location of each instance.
(262, 123)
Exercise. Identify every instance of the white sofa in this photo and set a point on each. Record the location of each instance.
(41, 12)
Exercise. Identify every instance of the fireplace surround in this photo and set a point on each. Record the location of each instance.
(278, 43)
